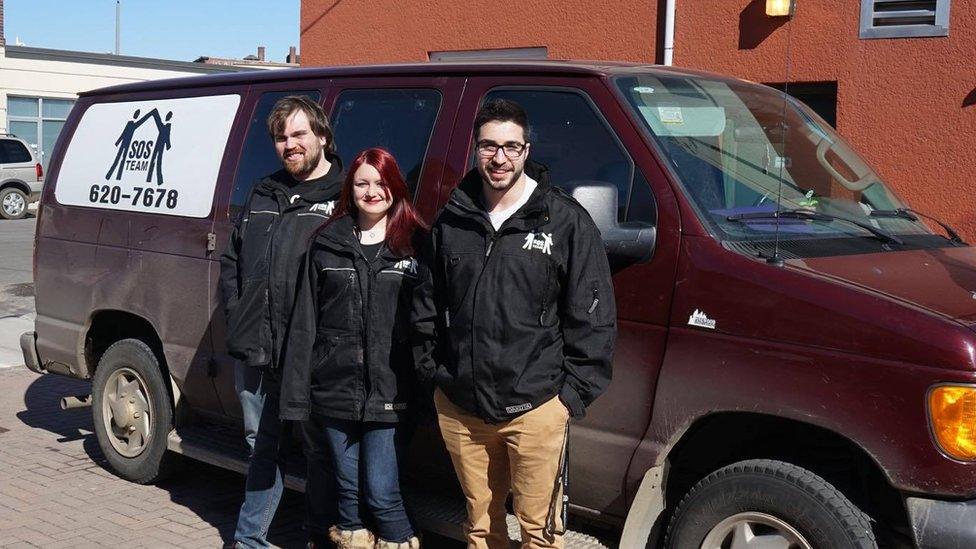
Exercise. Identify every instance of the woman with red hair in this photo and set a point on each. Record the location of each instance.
(349, 371)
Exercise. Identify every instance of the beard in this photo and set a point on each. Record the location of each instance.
(504, 184)
(310, 159)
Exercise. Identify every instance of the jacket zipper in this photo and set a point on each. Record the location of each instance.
(596, 301)
(484, 266)
(271, 282)
(545, 297)
(366, 315)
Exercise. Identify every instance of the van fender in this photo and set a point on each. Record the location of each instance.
(645, 511)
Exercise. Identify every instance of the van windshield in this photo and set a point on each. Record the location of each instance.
(742, 150)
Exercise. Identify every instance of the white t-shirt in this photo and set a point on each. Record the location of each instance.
(501, 216)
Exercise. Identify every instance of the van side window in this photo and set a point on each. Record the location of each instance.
(400, 121)
(258, 156)
(575, 142)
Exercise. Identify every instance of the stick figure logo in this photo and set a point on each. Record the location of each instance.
(142, 155)
(540, 241)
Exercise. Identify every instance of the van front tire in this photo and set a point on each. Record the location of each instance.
(131, 411)
(737, 505)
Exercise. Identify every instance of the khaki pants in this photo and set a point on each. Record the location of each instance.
(523, 455)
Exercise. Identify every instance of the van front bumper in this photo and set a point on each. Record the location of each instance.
(942, 524)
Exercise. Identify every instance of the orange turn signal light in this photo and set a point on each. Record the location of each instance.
(952, 411)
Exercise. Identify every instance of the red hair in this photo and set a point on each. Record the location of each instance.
(402, 218)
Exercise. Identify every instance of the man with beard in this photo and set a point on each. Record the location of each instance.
(526, 320)
(258, 277)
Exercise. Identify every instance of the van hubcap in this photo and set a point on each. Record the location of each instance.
(14, 204)
(126, 410)
(754, 531)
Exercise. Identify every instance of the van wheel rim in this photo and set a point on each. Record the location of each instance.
(753, 530)
(126, 412)
(14, 204)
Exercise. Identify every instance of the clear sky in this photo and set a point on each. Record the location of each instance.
(181, 30)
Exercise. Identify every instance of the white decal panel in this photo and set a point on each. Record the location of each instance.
(148, 156)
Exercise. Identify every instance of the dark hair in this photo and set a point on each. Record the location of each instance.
(317, 119)
(402, 218)
(501, 110)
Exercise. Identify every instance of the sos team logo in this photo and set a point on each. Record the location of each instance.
(144, 154)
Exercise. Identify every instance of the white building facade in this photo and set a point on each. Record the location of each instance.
(38, 86)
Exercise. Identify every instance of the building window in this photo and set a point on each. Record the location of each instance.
(38, 121)
(821, 97)
(904, 18)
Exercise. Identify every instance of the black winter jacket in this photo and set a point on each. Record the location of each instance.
(260, 267)
(349, 346)
(526, 313)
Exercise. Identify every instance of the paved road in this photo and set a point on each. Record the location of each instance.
(16, 287)
(16, 250)
(56, 489)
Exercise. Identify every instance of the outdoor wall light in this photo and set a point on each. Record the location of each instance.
(780, 8)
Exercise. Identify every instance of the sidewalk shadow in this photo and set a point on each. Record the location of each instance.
(43, 409)
(215, 495)
(212, 493)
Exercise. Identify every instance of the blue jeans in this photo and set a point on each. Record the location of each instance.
(258, 390)
(367, 450)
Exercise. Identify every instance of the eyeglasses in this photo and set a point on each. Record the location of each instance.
(512, 150)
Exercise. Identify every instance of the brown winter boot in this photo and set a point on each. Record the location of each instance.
(352, 539)
(412, 543)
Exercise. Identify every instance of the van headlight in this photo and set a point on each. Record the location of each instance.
(952, 413)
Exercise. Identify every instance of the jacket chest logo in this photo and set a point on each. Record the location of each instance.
(408, 265)
(323, 207)
(538, 241)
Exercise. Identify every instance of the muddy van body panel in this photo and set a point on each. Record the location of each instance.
(787, 342)
(154, 267)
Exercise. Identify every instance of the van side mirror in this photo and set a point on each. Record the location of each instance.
(625, 243)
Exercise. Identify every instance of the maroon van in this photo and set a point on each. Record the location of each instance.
(796, 359)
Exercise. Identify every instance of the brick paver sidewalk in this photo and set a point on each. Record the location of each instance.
(56, 490)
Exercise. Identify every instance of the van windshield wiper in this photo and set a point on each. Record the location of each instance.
(808, 215)
(912, 215)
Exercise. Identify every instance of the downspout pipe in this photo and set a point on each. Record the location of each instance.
(669, 32)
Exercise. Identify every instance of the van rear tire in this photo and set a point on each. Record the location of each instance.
(132, 412)
(767, 498)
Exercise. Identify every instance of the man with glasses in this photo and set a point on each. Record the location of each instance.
(526, 321)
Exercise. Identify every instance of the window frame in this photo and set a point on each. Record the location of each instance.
(869, 31)
(251, 109)
(634, 169)
(40, 119)
(334, 102)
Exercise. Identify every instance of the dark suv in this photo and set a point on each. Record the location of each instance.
(796, 359)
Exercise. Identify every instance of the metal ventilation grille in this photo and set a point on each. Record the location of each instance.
(889, 13)
(904, 18)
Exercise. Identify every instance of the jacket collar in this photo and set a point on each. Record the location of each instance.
(466, 200)
(339, 234)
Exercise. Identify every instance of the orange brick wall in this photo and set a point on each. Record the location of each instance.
(901, 102)
(356, 32)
